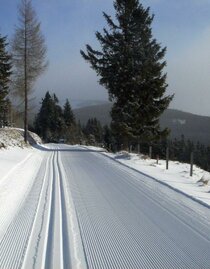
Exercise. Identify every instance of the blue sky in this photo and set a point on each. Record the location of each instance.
(183, 26)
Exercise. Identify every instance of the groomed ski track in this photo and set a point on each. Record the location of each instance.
(85, 210)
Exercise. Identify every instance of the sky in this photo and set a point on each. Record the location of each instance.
(183, 26)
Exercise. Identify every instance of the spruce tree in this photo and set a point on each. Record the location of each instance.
(44, 120)
(5, 73)
(68, 114)
(130, 66)
(57, 121)
(93, 131)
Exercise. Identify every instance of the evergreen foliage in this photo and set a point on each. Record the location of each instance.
(5, 73)
(44, 122)
(93, 131)
(130, 66)
(68, 114)
(180, 150)
(53, 122)
(108, 138)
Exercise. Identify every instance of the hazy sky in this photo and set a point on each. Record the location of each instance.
(183, 26)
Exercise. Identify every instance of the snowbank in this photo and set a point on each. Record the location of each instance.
(177, 176)
(14, 137)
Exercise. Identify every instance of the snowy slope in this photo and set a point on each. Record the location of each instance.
(177, 176)
(13, 137)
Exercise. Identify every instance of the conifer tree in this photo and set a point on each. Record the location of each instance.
(93, 131)
(68, 114)
(44, 119)
(29, 52)
(130, 66)
(5, 73)
(57, 121)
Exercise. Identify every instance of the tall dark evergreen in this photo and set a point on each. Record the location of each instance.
(57, 118)
(44, 122)
(5, 73)
(130, 66)
(68, 114)
(54, 123)
(93, 131)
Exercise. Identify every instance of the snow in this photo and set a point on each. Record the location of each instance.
(177, 176)
(19, 164)
(18, 169)
(129, 220)
(13, 137)
(62, 205)
(33, 204)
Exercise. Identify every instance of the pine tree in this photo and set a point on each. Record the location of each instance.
(57, 121)
(68, 114)
(44, 121)
(5, 73)
(130, 66)
(108, 138)
(93, 131)
(29, 53)
(49, 122)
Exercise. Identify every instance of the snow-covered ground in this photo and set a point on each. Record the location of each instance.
(13, 137)
(19, 165)
(34, 201)
(177, 176)
(62, 205)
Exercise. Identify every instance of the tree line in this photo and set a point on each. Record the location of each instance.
(130, 66)
(55, 123)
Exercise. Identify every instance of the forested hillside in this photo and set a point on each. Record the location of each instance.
(193, 127)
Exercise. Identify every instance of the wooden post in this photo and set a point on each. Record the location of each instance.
(191, 163)
(130, 149)
(138, 149)
(150, 152)
(157, 158)
(167, 157)
(110, 147)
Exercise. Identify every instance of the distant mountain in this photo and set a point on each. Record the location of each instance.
(75, 104)
(193, 127)
(101, 112)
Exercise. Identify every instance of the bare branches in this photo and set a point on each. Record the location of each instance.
(29, 54)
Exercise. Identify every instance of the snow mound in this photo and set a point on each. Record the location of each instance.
(14, 137)
(177, 176)
(123, 155)
(205, 179)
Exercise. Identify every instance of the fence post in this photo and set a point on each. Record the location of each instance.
(157, 159)
(167, 157)
(110, 147)
(130, 149)
(150, 152)
(191, 163)
(138, 149)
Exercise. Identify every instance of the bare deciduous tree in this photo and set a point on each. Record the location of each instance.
(29, 55)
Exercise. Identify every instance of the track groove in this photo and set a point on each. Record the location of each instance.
(84, 211)
(14, 242)
(126, 222)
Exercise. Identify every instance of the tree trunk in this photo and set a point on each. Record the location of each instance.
(125, 144)
(26, 88)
